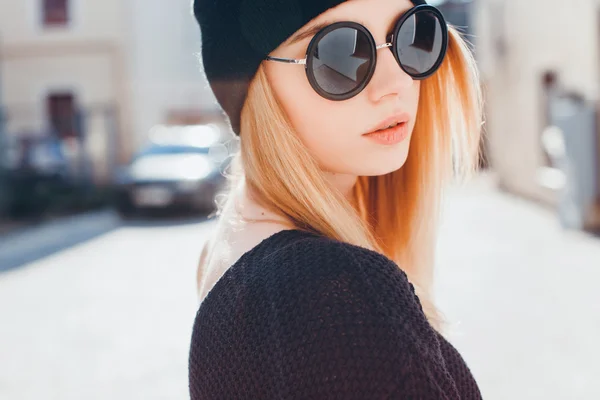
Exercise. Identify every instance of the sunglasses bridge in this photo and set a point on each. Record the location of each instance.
(381, 46)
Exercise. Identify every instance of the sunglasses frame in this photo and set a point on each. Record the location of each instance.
(390, 42)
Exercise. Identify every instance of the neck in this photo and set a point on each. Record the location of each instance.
(343, 182)
(251, 209)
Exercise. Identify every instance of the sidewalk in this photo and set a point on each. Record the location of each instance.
(8, 226)
(521, 295)
(25, 243)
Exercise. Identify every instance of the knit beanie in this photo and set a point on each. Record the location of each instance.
(237, 35)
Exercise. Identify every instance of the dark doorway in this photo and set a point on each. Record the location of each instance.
(62, 114)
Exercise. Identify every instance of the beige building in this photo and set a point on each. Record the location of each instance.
(521, 46)
(57, 57)
(121, 66)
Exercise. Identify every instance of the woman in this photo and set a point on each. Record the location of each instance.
(352, 116)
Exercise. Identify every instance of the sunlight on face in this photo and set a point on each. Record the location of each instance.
(334, 131)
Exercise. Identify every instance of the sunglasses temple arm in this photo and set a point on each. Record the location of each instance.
(287, 60)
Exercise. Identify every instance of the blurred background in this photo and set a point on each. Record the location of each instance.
(112, 149)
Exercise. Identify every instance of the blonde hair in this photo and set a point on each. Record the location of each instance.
(394, 214)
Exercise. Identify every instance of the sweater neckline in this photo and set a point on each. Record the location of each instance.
(248, 254)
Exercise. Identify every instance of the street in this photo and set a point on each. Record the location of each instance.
(93, 308)
(521, 297)
(109, 318)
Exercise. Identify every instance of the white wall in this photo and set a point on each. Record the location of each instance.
(21, 22)
(539, 35)
(141, 55)
(163, 64)
(27, 81)
(84, 57)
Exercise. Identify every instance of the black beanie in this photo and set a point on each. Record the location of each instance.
(237, 35)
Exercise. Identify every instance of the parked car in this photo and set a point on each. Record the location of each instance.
(36, 174)
(41, 154)
(166, 175)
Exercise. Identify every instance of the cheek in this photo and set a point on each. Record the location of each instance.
(412, 99)
(332, 130)
(292, 89)
(326, 129)
(321, 124)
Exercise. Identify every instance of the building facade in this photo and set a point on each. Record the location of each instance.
(99, 74)
(528, 53)
(167, 83)
(62, 59)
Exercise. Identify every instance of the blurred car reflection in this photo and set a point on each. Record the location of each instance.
(169, 175)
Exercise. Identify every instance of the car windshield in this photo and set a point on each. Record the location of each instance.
(170, 149)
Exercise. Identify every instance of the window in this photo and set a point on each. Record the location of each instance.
(55, 12)
(62, 114)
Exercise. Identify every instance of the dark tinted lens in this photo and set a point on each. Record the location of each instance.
(420, 42)
(342, 60)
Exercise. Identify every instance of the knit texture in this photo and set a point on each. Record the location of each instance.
(302, 316)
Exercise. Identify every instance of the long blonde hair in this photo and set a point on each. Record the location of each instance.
(394, 214)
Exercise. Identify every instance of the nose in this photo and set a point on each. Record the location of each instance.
(389, 79)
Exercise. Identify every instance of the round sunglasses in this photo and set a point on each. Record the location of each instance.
(341, 58)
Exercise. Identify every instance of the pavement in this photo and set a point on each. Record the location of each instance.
(521, 296)
(107, 316)
(29, 242)
(94, 308)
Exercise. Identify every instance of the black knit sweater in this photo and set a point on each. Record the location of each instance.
(301, 316)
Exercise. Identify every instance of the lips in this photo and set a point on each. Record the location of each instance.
(391, 121)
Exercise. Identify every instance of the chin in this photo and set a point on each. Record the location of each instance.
(382, 164)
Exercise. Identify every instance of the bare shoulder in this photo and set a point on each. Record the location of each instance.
(202, 263)
(204, 254)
